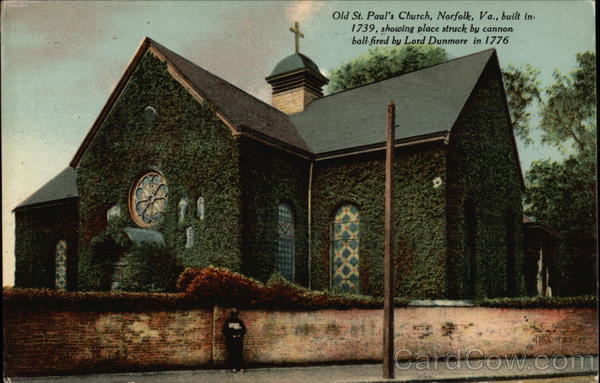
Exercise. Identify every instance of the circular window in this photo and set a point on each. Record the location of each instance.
(148, 199)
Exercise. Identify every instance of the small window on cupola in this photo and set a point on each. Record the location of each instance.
(150, 116)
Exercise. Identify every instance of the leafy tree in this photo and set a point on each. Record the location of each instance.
(522, 90)
(563, 194)
(569, 115)
(380, 63)
(569, 112)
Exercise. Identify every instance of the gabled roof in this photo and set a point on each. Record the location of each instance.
(61, 187)
(241, 111)
(428, 103)
(241, 108)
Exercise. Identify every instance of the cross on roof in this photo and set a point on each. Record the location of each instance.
(297, 34)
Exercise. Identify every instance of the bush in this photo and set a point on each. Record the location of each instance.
(92, 301)
(150, 267)
(222, 287)
(219, 286)
(549, 302)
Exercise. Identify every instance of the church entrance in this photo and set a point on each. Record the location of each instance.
(345, 250)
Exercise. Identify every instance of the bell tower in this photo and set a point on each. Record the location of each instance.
(296, 80)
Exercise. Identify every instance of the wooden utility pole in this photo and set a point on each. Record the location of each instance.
(388, 279)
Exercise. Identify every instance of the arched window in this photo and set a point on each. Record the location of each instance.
(61, 265)
(345, 250)
(285, 242)
(113, 213)
(200, 207)
(182, 209)
(189, 237)
(150, 116)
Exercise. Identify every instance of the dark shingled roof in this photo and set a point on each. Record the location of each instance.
(240, 107)
(292, 63)
(428, 101)
(63, 186)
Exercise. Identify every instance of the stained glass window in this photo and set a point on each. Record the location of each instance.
(61, 265)
(285, 243)
(345, 250)
(148, 199)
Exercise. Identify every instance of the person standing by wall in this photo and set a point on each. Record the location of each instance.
(234, 331)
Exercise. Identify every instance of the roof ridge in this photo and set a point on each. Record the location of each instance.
(250, 110)
(446, 88)
(160, 46)
(404, 74)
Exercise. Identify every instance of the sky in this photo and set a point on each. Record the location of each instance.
(61, 60)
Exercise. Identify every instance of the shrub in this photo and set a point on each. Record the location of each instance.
(550, 302)
(92, 301)
(219, 286)
(150, 267)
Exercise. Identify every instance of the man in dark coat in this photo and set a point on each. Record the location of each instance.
(234, 330)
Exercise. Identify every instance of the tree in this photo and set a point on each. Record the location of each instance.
(384, 62)
(569, 115)
(563, 194)
(522, 90)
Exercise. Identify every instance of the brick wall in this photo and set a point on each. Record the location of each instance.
(293, 100)
(53, 342)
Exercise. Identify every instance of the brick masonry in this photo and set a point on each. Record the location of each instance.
(55, 342)
(293, 100)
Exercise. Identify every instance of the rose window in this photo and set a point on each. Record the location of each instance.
(148, 199)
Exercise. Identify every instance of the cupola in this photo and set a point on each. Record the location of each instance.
(296, 80)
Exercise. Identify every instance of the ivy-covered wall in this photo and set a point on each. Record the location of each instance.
(270, 176)
(420, 220)
(483, 172)
(37, 232)
(243, 182)
(192, 149)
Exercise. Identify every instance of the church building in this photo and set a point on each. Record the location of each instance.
(181, 158)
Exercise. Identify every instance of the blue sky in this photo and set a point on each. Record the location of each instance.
(60, 61)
